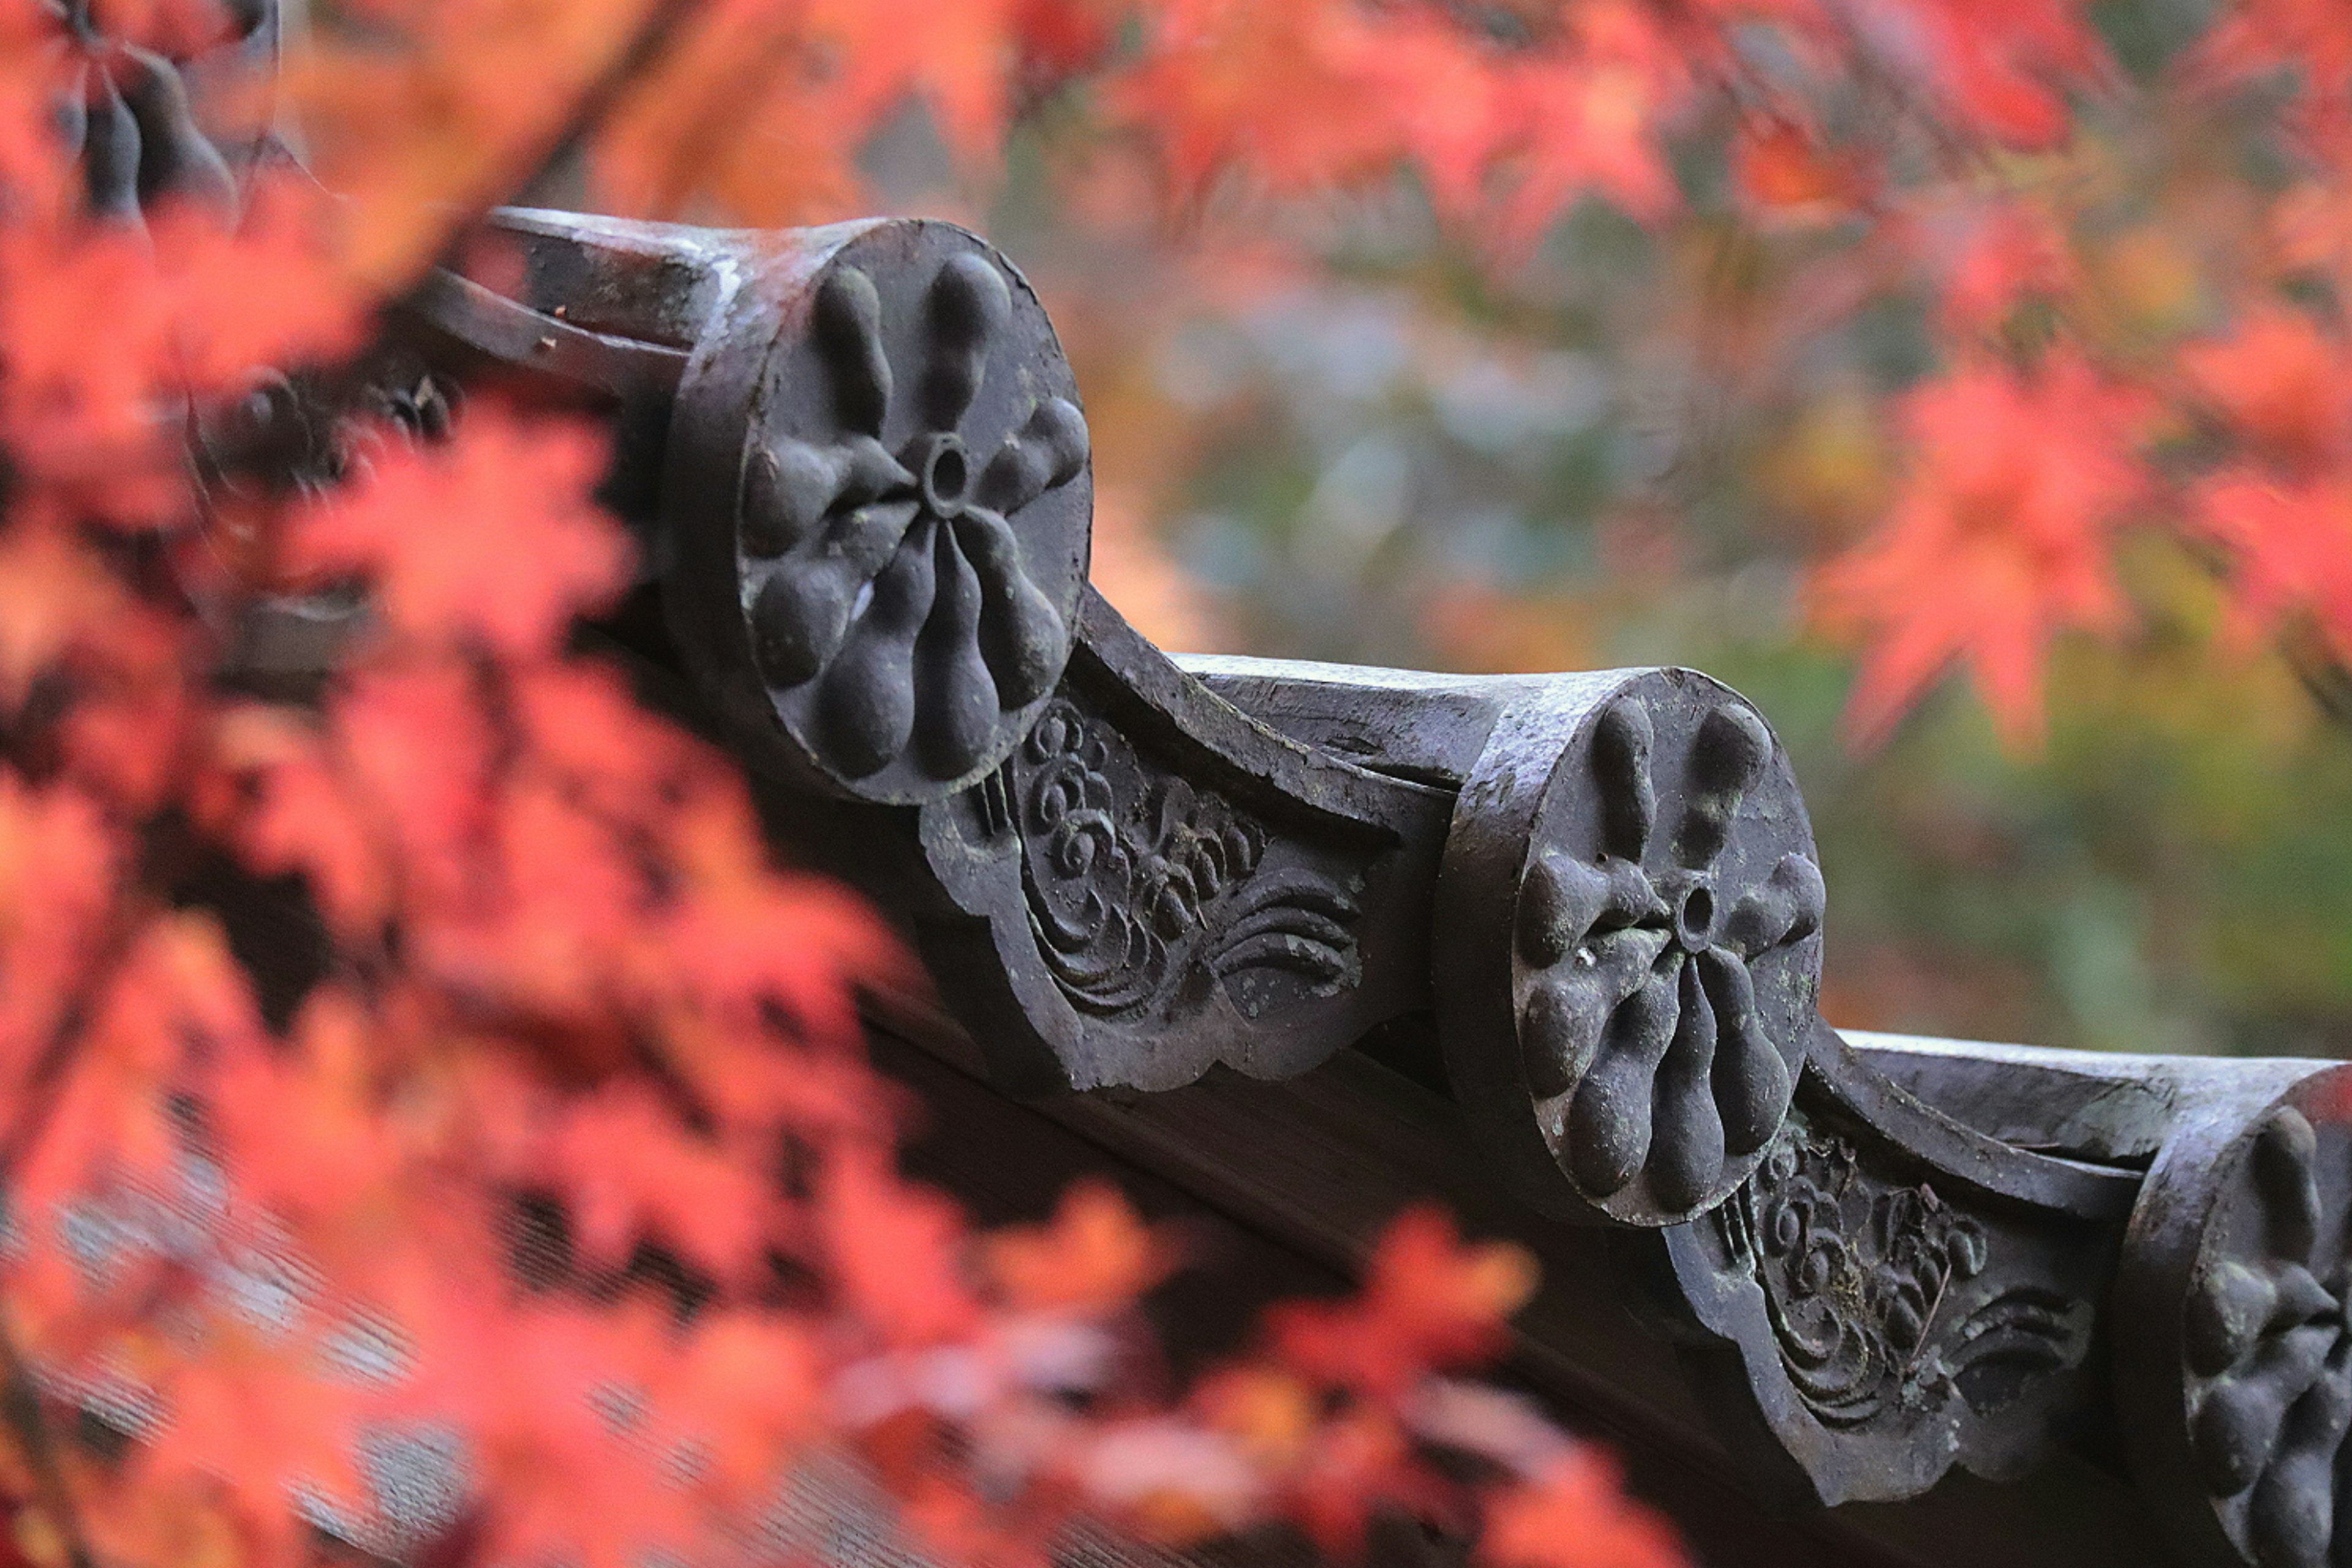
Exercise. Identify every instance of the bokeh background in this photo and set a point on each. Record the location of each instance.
(1332, 431)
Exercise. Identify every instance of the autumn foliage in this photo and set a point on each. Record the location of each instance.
(517, 1192)
(550, 1212)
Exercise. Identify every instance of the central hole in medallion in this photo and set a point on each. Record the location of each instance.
(948, 473)
(1697, 921)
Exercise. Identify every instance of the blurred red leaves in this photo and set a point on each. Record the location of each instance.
(899, 1251)
(2001, 68)
(1783, 173)
(58, 869)
(1574, 1516)
(563, 986)
(2280, 384)
(1094, 1254)
(98, 410)
(2281, 512)
(512, 492)
(1507, 140)
(2291, 548)
(1994, 255)
(2001, 538)
(1429, 1301)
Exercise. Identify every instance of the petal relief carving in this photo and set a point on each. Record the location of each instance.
(908, 600)
(129, 119)
(1666, 952)
(2267, 1338)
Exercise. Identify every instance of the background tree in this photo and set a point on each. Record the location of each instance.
(429, 1127)
(1981, 335)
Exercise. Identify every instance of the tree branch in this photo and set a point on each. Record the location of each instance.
(2323, 674)
(661, 28)
(20, 1408)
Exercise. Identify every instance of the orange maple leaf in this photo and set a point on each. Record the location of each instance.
(55, 599)
(739, 111)
(429, 111)
(1575, 1516)
(896, 1251)
(301, 1126)
(413, 747)
(1358, 1465)
(1783, 173)
(741, 939)
(958, 57)
(58, 862)
(1429, 1301)
(551, 928)
(1583, 119)
(1096, 1254)
(750, 1387)
(267, 291)
(270, 789)
(176, 992)
(1202, 87)
(631, 1171)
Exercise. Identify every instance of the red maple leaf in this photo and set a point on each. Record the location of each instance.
(2290, 549)
(2284, 387)
(896, 1252)
(2305, 40)
(1574, 1515)
(272, 791)
(177, 993)
(632, 1172)
(56, 602)
(957, 57)
(1999, 69)
(490, 537)
(1585, 124)
(265, 290)
(2001, 538)
(1429, 1301)
(1784, 174)
(58, 860)
(1200, 87)
(1096, 1254)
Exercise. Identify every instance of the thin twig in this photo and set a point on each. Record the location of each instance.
(2323, 674)
(20, 1407)
(31, 1111)
(159, 862)
(660, 29)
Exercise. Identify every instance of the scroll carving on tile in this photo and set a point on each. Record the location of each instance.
(1858, 1326)
(1154, 885)
(1872, 1287)
(1146, 890)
